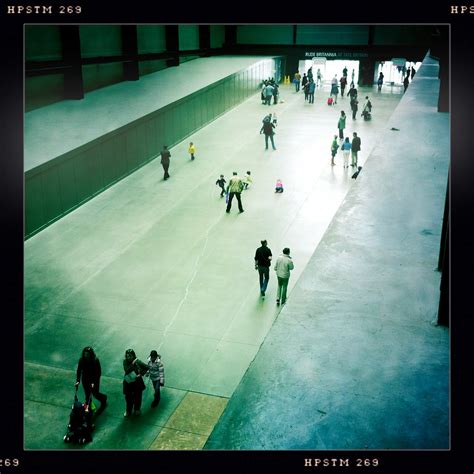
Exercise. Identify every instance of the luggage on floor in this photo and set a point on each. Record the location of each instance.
(330, 100)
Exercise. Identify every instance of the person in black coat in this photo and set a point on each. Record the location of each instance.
(354, 107)
(133, 384)
(165, 161)
(89, 371)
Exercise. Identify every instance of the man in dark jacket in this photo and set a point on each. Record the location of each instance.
(165, 161)
(355, 147)
(267, 129)
(263, 257)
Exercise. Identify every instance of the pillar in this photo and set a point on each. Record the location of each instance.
(130, 53)
(172, 44)
(71, 51)
(366, 72)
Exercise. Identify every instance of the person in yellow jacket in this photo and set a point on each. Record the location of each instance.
(192, 150)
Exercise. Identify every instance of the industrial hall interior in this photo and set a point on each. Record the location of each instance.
(236, 237)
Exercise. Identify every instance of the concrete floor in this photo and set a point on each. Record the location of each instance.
(150, 264)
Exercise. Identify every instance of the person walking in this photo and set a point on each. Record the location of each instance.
(341, 124)
(304, 80)
(405, 83)
(319, 78)
(355, 148)
(247, 180)
(89, 372)
(268, 129)
(283, 266)
(234, 188)
(346, 150)
(344, 72)
(334, 148)
(297, 81)
(311, 88)
(367, 108)
(156, 371)
(380, 81)
(192, 150)
(165, 161)
(263, 258)
(334, 91)
(343, 82)
(352, 92)
(354, 107)
(221, 182)
(413, 72)
(352, 78)
(133, 384)
(306, 91)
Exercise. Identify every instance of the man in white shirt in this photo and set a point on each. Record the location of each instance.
(283, 266)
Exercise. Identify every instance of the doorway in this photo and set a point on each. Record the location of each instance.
(329, 68)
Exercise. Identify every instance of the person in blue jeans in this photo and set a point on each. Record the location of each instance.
(283, 266)
(263, 258)
(156, 373)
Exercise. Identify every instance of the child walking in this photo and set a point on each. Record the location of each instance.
(192, 150)
(157, 375)
(221, 182)
(279, 186)
(247, 180)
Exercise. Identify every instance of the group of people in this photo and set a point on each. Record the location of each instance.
(235, 187)
(269, 91)
(89, 373)
(347, 148)
(283, 266)
(305, 80)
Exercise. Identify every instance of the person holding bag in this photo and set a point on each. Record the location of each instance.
(133, 384)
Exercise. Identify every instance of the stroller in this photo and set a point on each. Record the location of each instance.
(367, 115)
(80, 427)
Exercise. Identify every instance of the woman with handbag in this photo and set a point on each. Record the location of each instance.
(133, 384)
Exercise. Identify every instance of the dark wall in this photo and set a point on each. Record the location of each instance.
(102, 50)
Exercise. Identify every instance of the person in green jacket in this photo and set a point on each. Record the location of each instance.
(341, 124)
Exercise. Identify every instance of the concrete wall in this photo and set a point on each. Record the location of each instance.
(57, 187)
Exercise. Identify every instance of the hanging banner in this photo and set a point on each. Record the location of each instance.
(335, 54)
(399, 61)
